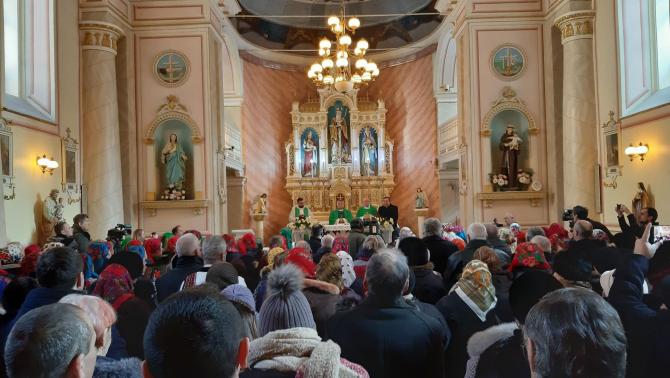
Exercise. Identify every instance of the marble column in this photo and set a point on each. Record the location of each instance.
(580, 151)
(101, 152)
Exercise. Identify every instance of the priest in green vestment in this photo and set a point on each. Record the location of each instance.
(340, 213)
(367, 210)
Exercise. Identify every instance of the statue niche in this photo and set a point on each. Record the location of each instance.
(509, 145)
(174, 160)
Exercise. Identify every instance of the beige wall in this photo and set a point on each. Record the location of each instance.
(33, 138)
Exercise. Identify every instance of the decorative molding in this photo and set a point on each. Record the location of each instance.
(153, 206)
(575, 25)
(98, 35)
(508, 101)
(172, 109)
(489, 198)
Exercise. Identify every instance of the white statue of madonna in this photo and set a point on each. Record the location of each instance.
(174, 158)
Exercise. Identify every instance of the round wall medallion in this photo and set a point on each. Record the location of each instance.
(536, 186)
(508, 62)
(171, 68)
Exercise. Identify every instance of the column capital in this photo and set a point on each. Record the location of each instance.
(99, 35)
(575, 25)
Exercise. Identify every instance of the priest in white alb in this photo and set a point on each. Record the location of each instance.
(299, 210)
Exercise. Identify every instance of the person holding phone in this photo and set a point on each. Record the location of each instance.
(635, 227)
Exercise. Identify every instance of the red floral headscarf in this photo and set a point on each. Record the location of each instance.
(114, 284)
(247, 242)
(29, 262)
(341, 244)
(231, 244)
(303, 260)
(153, 248)
(528, 255)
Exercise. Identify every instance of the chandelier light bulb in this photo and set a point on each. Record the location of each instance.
(338, 28)
(370, 66)
(342, 54)
(356, 78)
(333, 20)
(328, 80)
(311, 74)
(324, 44)
(362, 44)
(327, 63)
(366, 76)
(354, 23)
(345, 40)
(342, 62)
(358, 52)
(322, 52)
(319, 77)
(361, 63)
(316, 67)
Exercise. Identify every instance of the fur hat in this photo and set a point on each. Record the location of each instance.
(285, 306)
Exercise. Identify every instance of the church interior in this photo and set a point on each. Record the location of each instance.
(280, 125)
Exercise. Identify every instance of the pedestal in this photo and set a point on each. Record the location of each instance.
(420, 218)
(259, 220)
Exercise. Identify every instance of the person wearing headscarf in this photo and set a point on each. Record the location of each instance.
(341, 243)
(467, 309)
(114, 285)
(428, 286)
(349, 297)
(502, 281)
(29, 262)
(303, 260)
(323, 293)
(153, 248)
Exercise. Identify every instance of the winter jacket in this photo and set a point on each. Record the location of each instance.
(502, 282)
(170, 282)
(323, 298)
(356, 240)
(106, 367)
(440, 251)
(463, 323)
(83, 239)
(497, 352)
(459, 260)
(428, 286)
(390, 338)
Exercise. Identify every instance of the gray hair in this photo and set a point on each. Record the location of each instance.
(405, 232)
(477, 231)
(543, 242)
(533, 232)
(387, 273)
(327, 241)
(187, 245)
(583, 229)
(575, 330)
(44, 341)
(304, 245)
(432, 226)
(491, 231)
(373, 243)
(214, 249)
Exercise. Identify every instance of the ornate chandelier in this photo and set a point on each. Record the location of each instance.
(336, 69)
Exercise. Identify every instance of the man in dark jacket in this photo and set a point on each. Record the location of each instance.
(440, 249)
(315, 238)
(582, 213)
(428, 285)
(385, 334)
(64, 234)
(356, 237)
(477, 238)
(80, 232)
(388, 211)
(647, 330)
(188, 261)
(635, 227)
(495, 241)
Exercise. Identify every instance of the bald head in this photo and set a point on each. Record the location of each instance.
(477, 231)
(583, 230)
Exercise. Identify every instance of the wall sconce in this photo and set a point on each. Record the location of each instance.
(47, 164)
(639, 150)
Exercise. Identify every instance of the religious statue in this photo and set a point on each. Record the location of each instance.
(369, 153)
(340, 215)
(421, 202)
(174, 158)
(260, 205)
(510, 144)
(641, 200)
(339, 139)
(52, 213)
(309, 163)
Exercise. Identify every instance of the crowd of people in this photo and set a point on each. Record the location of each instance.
(493, 300)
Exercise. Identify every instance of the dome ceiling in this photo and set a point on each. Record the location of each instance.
(388, 25)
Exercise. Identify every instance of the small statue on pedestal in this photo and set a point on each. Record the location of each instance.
(421, 202)
(260, 205)
(52, 213)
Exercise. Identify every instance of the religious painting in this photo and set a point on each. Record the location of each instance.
(339, 135)
(612, 149)
(368, 149)
(611, 130)
(309, 141)
(509, 145)
(69, 153)
(174, 160)
(171, 68)
(508, 62)
(6, 152)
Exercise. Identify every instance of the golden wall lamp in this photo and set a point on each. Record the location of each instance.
(47, 164)
(634, 151)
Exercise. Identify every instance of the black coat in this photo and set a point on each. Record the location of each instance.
(440, 251)
(314, 244)
(323, 305)
(390, 212)
(499, 244)
(462, 323)
(170, 282)
(633, 230)
(389, 339)
(502, 282)
(428, 285)
(647, 330)
(83, 239)
(459, 260)
(504, 359)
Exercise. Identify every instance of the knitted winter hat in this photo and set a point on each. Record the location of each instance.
(528, 289)
(415, 250)
(240, 294)
(285, 306)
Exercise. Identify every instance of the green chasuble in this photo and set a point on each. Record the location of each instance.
(337, 214)
(363, 211)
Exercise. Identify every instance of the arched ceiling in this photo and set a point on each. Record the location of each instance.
(272, 25)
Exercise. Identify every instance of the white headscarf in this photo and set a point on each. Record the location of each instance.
(348, 275)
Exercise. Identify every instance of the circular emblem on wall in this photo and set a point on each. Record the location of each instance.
(508, 62)
(171, 68)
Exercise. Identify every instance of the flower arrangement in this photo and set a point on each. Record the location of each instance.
(386, 222)
(523, 178)
(499, 181)
(173, 194)
(302, 223)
